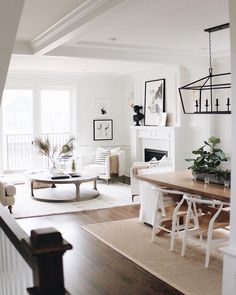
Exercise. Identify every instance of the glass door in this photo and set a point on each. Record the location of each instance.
(17, 107)
(31, 113)
(56, 117)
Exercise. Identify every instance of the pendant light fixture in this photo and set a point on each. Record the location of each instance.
(210, 94)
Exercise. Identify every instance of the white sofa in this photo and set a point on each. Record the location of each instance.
(7, 193)
(87, 163)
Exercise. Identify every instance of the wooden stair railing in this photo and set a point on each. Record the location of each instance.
(42, 251)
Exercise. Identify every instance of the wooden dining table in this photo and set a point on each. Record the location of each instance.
(183, 181)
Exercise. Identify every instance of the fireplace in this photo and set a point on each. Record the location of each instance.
(151, 153)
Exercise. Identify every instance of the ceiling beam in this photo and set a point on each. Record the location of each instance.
(130, 53)
(76, 22)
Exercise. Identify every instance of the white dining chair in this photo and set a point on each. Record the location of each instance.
(209, 215)
(168, 213)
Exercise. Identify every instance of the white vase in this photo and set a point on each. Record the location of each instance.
(53, 169)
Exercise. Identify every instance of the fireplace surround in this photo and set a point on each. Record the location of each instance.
(168, 140)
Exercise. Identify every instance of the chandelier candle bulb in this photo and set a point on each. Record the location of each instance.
(196, 105)
(206, 105)
(228, 104)
(217, 104)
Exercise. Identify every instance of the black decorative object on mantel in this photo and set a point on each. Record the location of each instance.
(210, 94)
(138, 116)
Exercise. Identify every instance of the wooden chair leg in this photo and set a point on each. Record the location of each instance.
(10, 209)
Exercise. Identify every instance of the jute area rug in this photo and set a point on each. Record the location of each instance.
(132, 239)
(112, 195)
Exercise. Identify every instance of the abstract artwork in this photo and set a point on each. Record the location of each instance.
(103, 108)
(154, 102)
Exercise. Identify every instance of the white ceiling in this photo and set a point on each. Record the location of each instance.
(104, 36)
(38, 16)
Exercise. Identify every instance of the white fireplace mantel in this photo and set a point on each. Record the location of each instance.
(155, 137)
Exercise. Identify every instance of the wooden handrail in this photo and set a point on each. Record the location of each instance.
(42, 251)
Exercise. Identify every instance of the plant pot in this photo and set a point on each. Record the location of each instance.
(211, 177)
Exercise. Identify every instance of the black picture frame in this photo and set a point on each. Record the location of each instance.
(154, 101)
(102, 129)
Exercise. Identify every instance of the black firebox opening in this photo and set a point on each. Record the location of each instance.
(151, 153)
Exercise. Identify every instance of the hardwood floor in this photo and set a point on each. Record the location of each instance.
(93, 268)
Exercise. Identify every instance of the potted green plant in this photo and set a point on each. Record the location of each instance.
(53, 152)
(208, 161)
(224, 176)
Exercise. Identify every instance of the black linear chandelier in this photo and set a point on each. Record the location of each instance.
(208, 95)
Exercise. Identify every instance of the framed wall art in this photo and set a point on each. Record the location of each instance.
(102, 129)
(102, 108)
(154, 101)
(162, 119)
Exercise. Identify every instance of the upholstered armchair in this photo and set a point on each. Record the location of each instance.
(7, 193)
(104, 162)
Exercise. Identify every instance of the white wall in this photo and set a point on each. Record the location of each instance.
(200, 127)
(223, 123)
(120, 92)
(194, 128)
(171, 76)
(229, 269)
(197, 128)
(88, 90)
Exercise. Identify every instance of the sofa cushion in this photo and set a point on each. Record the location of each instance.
(115, 151)
(94, 169)
(164, 161)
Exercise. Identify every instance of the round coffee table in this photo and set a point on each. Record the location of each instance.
(77, 181)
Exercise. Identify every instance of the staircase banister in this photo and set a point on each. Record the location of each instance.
(42, 251)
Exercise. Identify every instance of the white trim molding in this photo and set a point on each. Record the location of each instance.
(229, 270)
(162, 138)
(71, 25)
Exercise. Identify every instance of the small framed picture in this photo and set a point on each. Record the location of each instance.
(162, 119)
(102, 108)
(102, 129)
(154, 101)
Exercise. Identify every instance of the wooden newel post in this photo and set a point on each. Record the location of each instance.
(47, 247)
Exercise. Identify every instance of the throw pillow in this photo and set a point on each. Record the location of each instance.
(165, 161)
(115, 151)
(101, 155)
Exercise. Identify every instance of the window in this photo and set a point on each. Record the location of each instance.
(17, 128)
(55, 111)
(28, 113)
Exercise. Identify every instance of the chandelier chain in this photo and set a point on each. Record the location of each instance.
(210, 53)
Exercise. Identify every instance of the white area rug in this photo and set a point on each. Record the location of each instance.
(112, 195)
